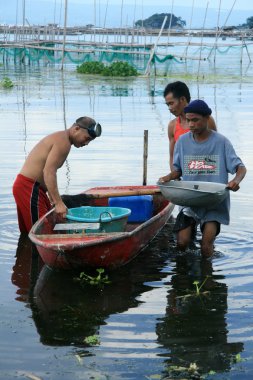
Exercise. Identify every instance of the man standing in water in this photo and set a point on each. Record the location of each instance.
(177, 97)
(203, 155)
(35, 189)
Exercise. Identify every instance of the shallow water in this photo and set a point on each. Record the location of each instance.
(149, 318)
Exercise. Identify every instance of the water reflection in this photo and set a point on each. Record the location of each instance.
(65, 313)
(26, 268)
(194, 329)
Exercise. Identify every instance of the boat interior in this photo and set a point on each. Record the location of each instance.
(53, 225)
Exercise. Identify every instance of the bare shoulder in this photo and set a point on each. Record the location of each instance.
(212, 124)
(59, 139)
(57, 136)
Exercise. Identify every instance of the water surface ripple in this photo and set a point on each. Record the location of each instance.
(150, 321)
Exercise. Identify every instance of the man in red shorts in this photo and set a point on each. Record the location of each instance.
(35, 189)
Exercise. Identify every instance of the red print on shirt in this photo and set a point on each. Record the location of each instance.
(200, 164)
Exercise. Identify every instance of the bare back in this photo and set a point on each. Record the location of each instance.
(48, 153)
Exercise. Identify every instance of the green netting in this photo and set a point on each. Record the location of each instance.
(34, 54)
(131, 54)
(225, 51)
(218, 49)
(52, 57)
(164, 59)
(84, 57)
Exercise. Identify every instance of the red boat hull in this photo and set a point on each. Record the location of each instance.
(110, 250)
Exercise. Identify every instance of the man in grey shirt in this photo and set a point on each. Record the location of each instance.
(204, 155)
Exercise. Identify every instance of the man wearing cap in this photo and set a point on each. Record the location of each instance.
(204, 155)
(177, 97)
(35, 189)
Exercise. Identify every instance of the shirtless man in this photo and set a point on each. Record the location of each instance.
(177, 97)
(35, 189)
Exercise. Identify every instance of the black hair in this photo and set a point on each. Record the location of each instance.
(94, 129)
(178, 89)
(85, 122)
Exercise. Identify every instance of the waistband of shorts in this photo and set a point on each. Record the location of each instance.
(30, 180)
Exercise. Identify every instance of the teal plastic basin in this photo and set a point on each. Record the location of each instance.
(110, 219)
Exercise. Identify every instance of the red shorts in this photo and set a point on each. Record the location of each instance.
(32, 202)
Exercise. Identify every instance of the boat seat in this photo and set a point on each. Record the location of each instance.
(76, 226)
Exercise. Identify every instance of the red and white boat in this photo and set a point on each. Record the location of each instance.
(68, 250)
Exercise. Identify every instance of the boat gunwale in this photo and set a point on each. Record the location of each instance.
(76, 238)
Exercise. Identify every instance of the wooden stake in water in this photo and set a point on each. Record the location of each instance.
(145, 157)
(147, 71)
(64, 33)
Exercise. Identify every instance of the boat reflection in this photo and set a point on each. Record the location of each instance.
(66, 313)
(195, 329)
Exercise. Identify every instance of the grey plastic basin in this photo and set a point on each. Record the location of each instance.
(194, 193)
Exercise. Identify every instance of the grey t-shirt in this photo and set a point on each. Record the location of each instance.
(210, 161)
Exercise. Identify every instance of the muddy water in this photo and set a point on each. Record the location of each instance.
(149, 319)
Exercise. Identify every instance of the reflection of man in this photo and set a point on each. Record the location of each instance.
(194, 329)
(204, 155)
(27, 266)
(36, 183)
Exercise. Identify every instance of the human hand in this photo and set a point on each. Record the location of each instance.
(61, 209)
(164, 179)
(233, 185)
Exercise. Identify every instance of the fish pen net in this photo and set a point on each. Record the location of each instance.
(177, 59)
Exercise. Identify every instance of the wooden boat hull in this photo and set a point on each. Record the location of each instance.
(107, 250)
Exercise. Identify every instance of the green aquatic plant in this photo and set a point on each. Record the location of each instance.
(120, 69)
(198, 288)
(181, 372)
(90, 68)
(238, 358)
(92, 340)
(98, 280)
(6, 83)
(197, 291)
(116, 69)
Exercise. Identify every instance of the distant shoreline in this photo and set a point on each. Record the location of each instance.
(79, 30)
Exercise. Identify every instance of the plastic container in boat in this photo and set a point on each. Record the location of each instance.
(141, 206)
(105, 219)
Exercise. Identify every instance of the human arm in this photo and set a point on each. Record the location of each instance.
(171, 176)
(55, 160)
(240, 174)
(171, 128)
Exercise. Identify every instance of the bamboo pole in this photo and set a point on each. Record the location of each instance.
(200, 54)
(223, 27)
(121, 20)
(64, 33)
(246, 47)
(147, 72)
(188, 43)
(105, 21)
(216, 38)
(169, 30)
(23, 19)
(145, 157)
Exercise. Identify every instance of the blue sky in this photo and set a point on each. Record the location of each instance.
(124, 12)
